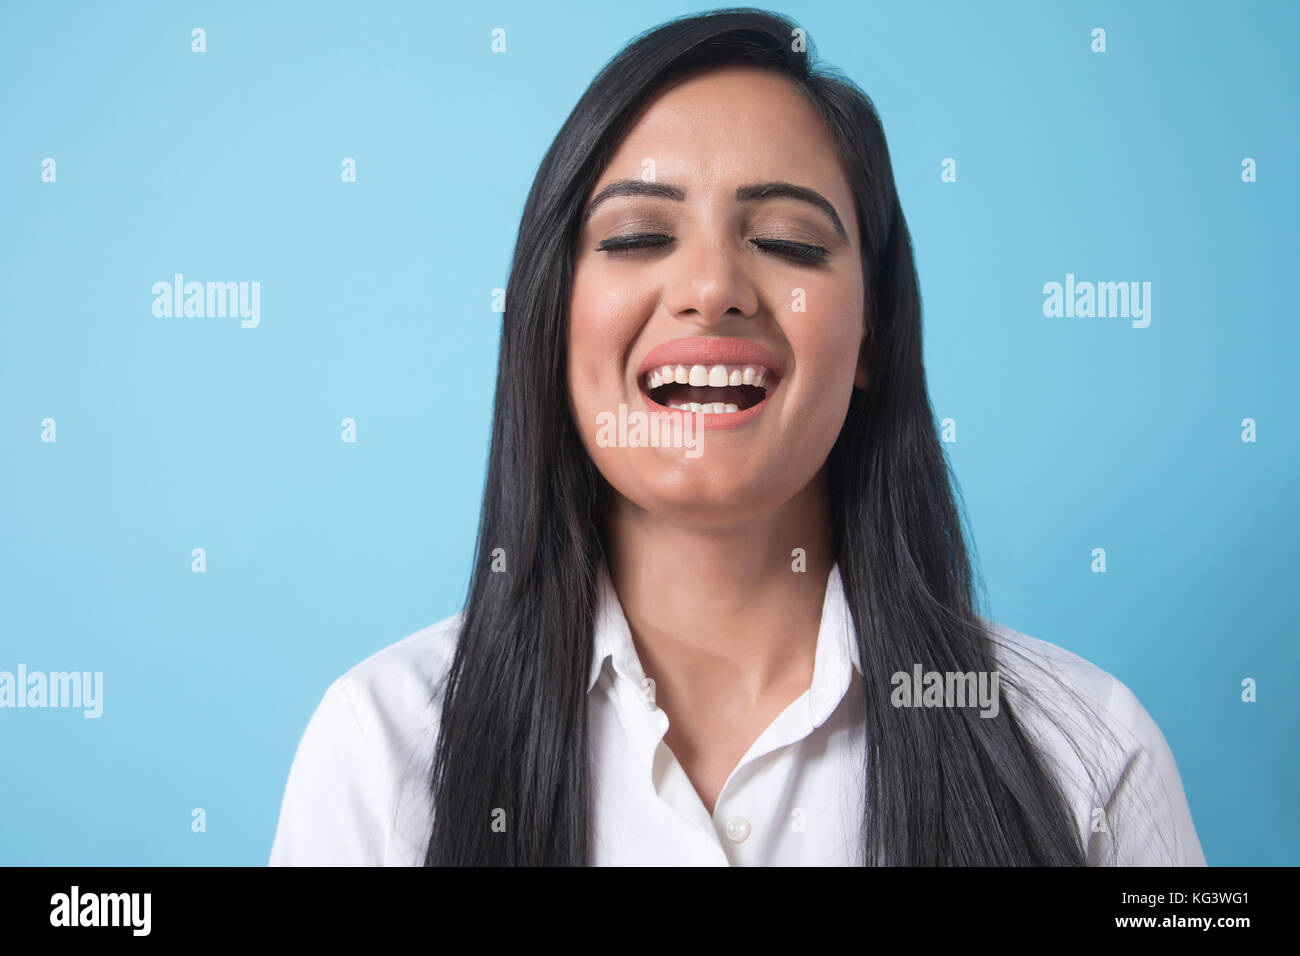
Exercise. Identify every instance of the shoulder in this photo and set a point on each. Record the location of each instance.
(356, 793)
(1115, 765)
(1042, 672)
(400, 687)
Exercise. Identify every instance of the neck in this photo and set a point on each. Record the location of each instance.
(722, 609)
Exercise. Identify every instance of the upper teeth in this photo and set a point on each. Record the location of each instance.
(719, 376)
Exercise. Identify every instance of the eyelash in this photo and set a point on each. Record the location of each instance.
(797, 251)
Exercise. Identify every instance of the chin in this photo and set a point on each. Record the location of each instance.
(704, 493)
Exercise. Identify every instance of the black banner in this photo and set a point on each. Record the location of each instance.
(211, 905)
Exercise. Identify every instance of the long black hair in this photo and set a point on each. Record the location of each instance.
(943, 785)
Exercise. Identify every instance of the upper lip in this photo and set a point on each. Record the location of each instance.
(710, 351)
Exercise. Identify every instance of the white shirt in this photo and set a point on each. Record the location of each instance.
(357, 792)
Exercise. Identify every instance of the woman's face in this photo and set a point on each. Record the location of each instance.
(718, 290)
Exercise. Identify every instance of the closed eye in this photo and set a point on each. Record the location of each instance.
(800, 251)
(796, 251)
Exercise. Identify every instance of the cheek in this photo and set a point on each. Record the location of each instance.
(829, 340)
(827, 350)
(602, 323)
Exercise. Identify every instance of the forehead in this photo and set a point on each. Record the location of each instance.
(727, 125)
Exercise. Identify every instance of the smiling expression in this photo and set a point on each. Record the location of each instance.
(718, 271)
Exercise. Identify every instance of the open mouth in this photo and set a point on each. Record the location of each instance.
(709, 390)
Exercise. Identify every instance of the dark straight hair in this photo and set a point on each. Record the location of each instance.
(943, 785)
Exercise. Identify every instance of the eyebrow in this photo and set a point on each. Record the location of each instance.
(772, 190)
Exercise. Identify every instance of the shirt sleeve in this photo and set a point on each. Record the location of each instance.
(333, 808)
(1147, 821)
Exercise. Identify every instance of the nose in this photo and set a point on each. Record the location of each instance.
(707, 283)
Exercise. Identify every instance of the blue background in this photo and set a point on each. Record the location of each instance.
(376, 304)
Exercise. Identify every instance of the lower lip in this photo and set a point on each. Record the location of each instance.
(716, 419)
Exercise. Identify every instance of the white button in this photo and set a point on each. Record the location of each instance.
(738, 829)
(648, 692)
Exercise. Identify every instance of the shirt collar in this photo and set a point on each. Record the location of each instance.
(837, 645)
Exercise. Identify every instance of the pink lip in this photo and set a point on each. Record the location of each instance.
(716, 420)
(712, 351)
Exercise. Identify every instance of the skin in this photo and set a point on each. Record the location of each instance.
(700, 548)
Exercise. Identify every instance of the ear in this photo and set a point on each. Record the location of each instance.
(861, 377)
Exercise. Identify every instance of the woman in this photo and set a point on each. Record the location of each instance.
(758, 644)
